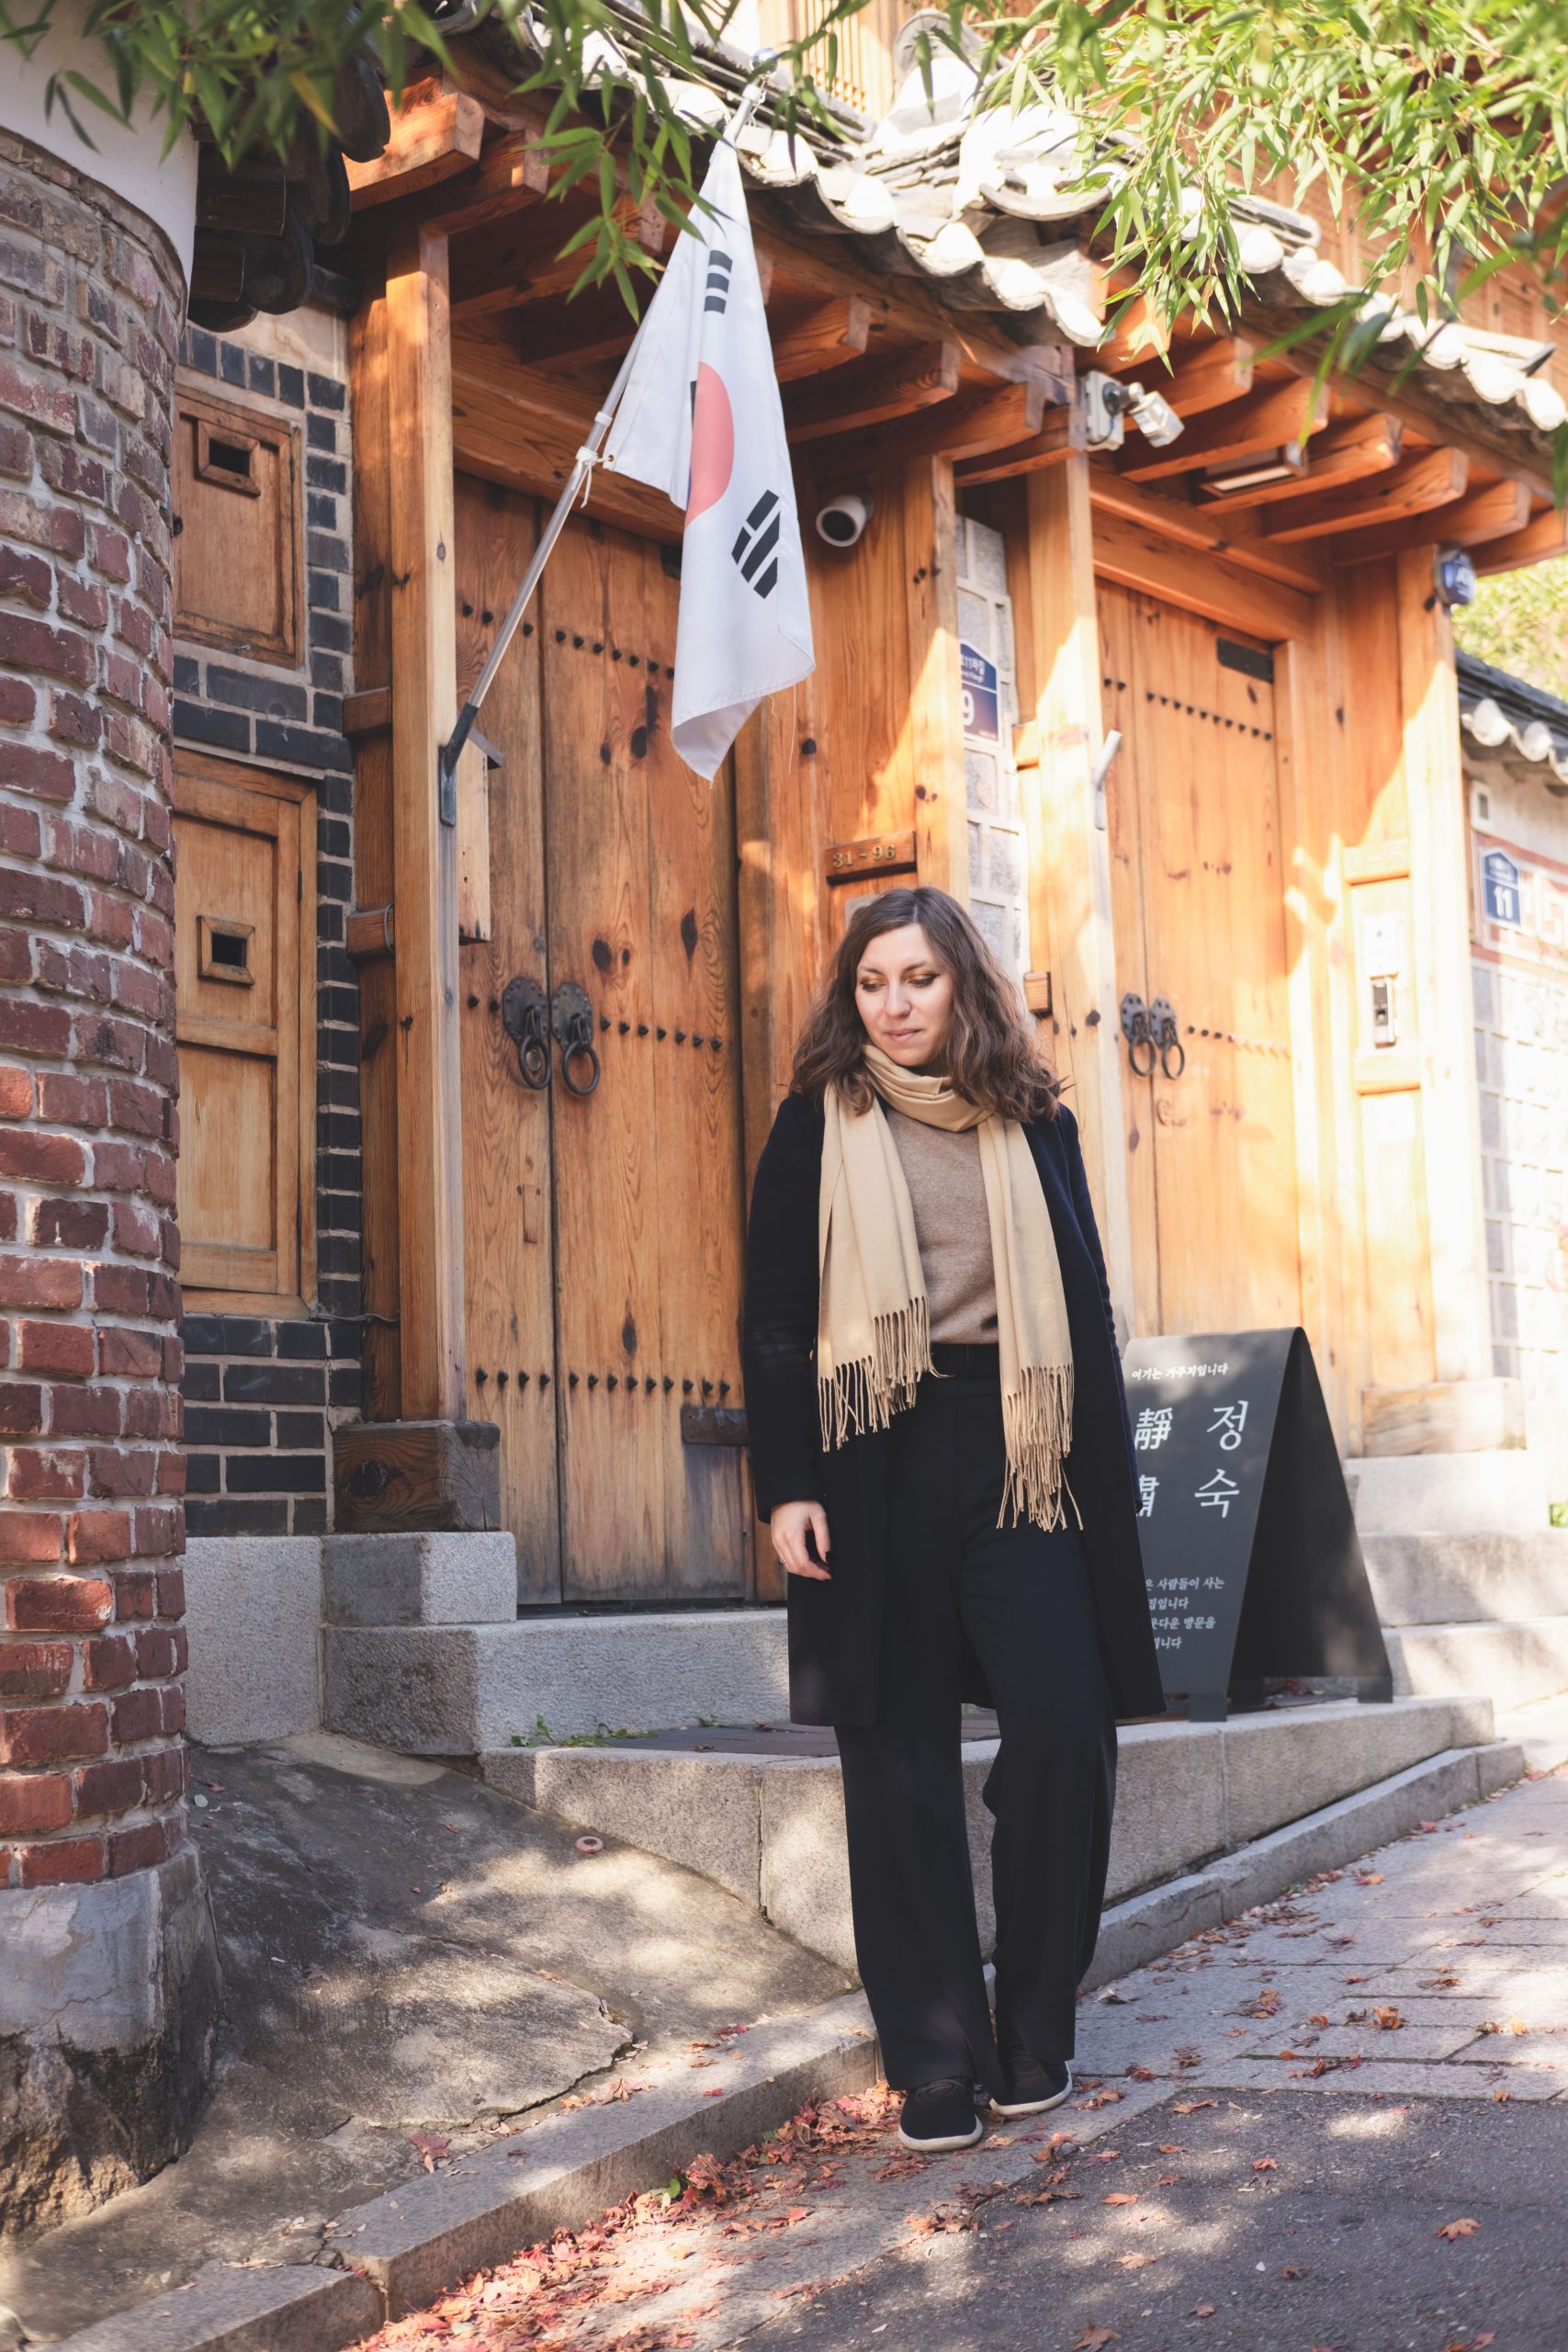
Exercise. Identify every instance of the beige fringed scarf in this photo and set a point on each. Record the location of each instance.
(873, 1330)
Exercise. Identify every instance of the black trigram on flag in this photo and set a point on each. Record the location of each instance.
(720, 263)
(755, 549)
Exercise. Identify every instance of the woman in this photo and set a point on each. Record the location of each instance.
(939, 1438)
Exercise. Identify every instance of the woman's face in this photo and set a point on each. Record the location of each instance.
(905, 998)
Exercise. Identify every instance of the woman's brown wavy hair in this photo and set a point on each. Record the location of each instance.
(993, 1053)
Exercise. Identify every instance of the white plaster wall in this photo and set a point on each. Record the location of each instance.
(1521, 1065)
(127, 159)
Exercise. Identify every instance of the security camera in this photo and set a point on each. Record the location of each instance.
(843, 520)
(1454, 576)
(1109, 405)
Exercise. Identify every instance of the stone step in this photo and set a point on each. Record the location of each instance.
(770, 1827)
(1506, 1492)
(1511, 1662)
(456, 1689)
(1435, 1579)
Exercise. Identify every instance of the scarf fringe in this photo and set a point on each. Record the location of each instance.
(1037, 1420)
(866, 1391)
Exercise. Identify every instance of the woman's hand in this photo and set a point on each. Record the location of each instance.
(791, 1523)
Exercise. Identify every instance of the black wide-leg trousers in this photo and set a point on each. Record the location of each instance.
(1022, 1598)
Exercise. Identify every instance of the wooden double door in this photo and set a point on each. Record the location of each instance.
(1198, 882)
(603, 1210)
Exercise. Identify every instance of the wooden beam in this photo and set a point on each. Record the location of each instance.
(1215, 585)
(1495, 512)
(1209, 375)
(1414, 488)
(974, 422)
(874, 392)
(381, 1386)
(1337, 457)
(905, 308)
(1265, 420)
(369, 713)
(825, 336)
(1545, 536)
(584, 331)
(519, 259)
(1051, 573)
(1061, 435)
(512, 173)
(425, 851)
(1421, 414)
(431, 140)
(1208, 527)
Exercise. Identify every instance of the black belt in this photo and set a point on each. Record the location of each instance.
(970, 1359)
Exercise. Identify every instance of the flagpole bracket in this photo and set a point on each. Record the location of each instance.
(451, 751)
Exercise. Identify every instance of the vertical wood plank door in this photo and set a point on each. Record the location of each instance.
(1197, 882)
(508, 1241)
(640, 863)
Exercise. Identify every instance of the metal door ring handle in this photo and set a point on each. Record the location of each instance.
(569, 1053)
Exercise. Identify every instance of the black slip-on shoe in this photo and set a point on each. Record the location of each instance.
(939, 2116)
(1030, 2086)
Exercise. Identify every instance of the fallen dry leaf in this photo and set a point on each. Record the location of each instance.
(1203, 2311)
(1451, 2230)
(1265, 2164)
(1168, 2180)
(1170, 2148)
(1190, 2106)
(1387, 2016)
(1291, 2271)
(432, 2148)
(1093, 2338)
(1369, 1878)
(1120, 2197)
(1138, 2261)
(1317, 2021)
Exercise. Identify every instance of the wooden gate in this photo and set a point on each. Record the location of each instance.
(603, 1221)
(1192, 806)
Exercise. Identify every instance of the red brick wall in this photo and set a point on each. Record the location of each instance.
(92, 1767)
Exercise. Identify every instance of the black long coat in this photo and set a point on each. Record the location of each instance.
(835, 1627)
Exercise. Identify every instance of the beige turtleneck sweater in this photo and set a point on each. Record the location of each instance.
(947, 1194)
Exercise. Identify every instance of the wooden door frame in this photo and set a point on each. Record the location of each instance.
(192, 771)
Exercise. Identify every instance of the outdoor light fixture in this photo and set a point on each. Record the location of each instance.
(1454, 572)
(1284, 464)
(843, 520)
(1108, 405)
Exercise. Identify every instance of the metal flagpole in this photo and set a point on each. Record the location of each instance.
(763, 64)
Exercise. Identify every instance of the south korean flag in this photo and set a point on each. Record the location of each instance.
(700, 419)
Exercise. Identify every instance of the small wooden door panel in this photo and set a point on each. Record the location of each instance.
(245, 1023)
(1199, 915)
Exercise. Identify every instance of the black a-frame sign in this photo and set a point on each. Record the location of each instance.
(1251, 1558)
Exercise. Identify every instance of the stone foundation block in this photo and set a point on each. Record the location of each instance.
(109, 2006)
(420, 1580)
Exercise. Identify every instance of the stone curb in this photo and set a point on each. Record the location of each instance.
(1148, 1925)
(402, 2249)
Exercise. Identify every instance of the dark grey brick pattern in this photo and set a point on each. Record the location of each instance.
(261, 1396)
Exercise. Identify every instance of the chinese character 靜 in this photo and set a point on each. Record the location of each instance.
(1152, 1427)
